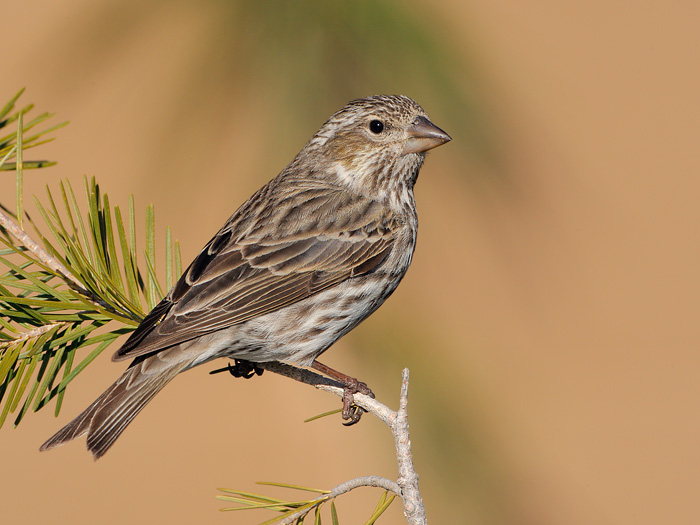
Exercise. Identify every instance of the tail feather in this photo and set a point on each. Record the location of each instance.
(107, 417)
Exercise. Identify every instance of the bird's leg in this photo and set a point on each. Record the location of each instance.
(241, 368)
(351, 412)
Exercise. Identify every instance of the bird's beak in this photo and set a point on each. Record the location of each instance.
(424, 135)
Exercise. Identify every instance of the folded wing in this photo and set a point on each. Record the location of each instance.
(268, 256)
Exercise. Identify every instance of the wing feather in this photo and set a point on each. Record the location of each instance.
(266, 258)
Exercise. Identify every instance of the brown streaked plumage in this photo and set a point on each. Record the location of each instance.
(301, 263)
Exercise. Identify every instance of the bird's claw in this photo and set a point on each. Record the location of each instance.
(351, 414)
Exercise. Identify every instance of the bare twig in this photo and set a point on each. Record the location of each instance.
(413, 507)
(365, 481)
(406, 487)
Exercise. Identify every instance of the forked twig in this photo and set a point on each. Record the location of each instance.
(406, 486)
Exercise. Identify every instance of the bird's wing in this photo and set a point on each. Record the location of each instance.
(289, 249)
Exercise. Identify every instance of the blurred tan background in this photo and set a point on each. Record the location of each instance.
(550, 319)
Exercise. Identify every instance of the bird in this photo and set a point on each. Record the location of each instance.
(302, 262)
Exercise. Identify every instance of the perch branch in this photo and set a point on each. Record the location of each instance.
(406, 486)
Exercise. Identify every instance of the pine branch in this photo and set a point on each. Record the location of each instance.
(48, 260)
(56, 293)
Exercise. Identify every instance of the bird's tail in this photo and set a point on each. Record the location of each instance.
(107, 417)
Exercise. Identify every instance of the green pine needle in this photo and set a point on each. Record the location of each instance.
(289, 486)
(51, 329)
(325, 414)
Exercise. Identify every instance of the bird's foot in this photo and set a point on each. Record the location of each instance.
(351, 413)
(241, 368)
(244, 369)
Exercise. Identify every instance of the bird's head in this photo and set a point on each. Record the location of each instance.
(377, 144)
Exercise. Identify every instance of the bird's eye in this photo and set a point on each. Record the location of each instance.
(376, 126)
